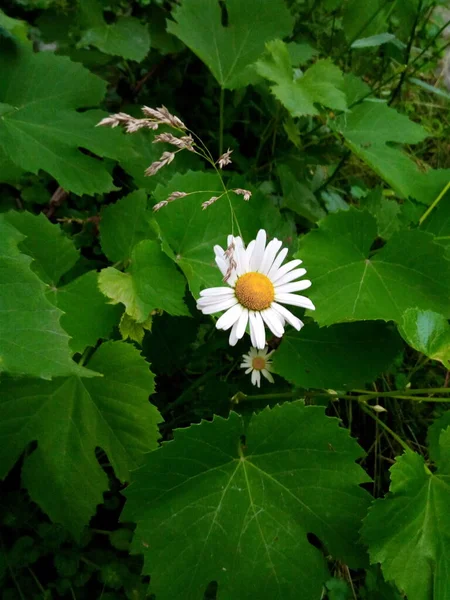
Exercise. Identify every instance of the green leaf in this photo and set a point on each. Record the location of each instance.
(360, 19)
(374, 40)
(87, 315)
(131, 329)
(385, 211)
(232, 501)
(298, 197)
(438, 222)
(320, 84)
(190, 233)
(434, 434)
(40, 128)
(151, 282)
(349, 283)
(408, 531)
(127, 37)
(228, 51)
(368, 131)
(32, 341)
(71, 417)
(427, 332)
(15, 27)
(300, 53)
(338, 357)
(52, 252)
(123, 225)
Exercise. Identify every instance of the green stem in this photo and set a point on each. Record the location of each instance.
(403, 393)
(434, 204)
(383, 425)
(241, 397)
(221, 108)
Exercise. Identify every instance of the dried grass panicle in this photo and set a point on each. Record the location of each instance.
(175, 195)
(231, 266)
(230, 250)
(131, 124)
(225, 159)
(160, 205)
(185, 142)
(240, 192)
(162, 116)
(209, 202)
(166, 159)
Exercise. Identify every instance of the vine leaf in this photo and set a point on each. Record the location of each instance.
(320, 84)
(123, 225)
(428, 332)
(87, 316)
(228, 51)
(69, 418)
(339, 357)
(408, 531)
(210, 506)
(127, 37)
(53, 253)
(350, 284)
(40, 127)
(151, 282)
(32, 341)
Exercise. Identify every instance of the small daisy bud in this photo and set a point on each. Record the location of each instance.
(225, 159)
(246, 193)
(379, 409)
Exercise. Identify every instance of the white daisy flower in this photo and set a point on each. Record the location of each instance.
(257, 362)
(258, 287)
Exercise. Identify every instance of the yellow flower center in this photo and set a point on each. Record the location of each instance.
(254, 291)
(258, 363)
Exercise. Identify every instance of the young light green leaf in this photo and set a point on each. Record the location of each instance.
(32, 341)
(190, 233)
(232, 501)
(151, 282)
(408, 531)
(338, 357)
(350, 284)
(374, 40)
(52, 252)
(123, 225)
(320, 84)
(428, 332)
(127, 37)
(40, 128)
(87, 316)
(131, 329)
(71, 417)
(228, 51)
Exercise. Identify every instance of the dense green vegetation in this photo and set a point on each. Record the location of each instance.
(137, 458)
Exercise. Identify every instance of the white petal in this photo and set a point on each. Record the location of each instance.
(258, 378)
(285, 269)
(249, 250)
(257, 324)
(233, 339)
(258, 251)
(295, 300)
(249, 370)
(277, 262)
(269, 255)
(254, 377)
(242, 324)
(229, 318)
(267, 375)
(209, 301)
(295, 286)
(295, 274)
(240, 257)
(273, 322)
(213, 308)
(253, 352)
(252, 336)
(217, 291)
(290, 318)
(222, 264)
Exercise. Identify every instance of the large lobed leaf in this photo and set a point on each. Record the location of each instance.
(40, 128)
(408, 531)
(32, 341)
(350, 283)
(427, 332)
(228, 51)
(71, 417)
(233, 503)
(127, 37)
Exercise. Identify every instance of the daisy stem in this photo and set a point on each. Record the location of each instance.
(241, 397)
(383, 425)
(403, 393)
